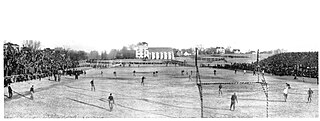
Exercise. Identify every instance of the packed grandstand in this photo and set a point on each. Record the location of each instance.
(22, 64)
(292, 63)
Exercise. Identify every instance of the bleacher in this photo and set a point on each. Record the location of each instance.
(294, 63)
(304, 64)
(22, 64)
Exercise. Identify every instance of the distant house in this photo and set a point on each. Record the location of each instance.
(236, 51)
(220, 50)
(179, 53)
(145, 52)
(186, 54)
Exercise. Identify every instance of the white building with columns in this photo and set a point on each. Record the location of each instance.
(160, 53)
(155, 53)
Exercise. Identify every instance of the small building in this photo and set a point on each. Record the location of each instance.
(236, 51)
(220, 50)
(179, 53)
(186, 54)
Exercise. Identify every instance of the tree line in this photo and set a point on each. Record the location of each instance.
(124, 53)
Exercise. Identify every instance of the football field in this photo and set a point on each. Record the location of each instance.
(169, 94)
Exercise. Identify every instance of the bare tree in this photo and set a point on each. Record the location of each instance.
(104, 55)
(112, 54)
(132, 47)
(33, 45)
(94, 55)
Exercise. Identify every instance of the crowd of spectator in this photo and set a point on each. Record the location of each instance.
(22, 64)
(304, 64)
(294, 63)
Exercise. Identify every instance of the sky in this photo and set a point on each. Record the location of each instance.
(293, 25)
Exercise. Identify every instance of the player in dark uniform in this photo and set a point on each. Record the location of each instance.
(76, 76)
(9, 91)
(220, 91)
(101, 73)
(288, 85)
(142, 80)
(31, 92)
(55, 77)
(111, 101)
(310, 92)
(115, 74)
(233, 101)
(214, 72)
(134, 72)
(93, 88)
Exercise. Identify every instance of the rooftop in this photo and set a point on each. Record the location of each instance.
(160, 49)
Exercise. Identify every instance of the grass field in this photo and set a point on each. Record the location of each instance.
(168, 95)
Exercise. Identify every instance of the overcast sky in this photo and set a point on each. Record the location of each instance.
(100, 25)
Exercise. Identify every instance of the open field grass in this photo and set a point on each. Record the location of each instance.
(168, 95)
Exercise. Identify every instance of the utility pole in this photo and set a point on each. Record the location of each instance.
(198, 82)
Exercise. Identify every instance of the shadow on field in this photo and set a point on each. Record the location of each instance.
(103, 99)
(36, 90)
(298, 93)
(252, 99)
(96, 90)
(88, 104)
(144, 111)
(19, 95)
(179, 76)
(261, 100)
(151, 101)
(80, 93)
(215, 108)
(211, 77)
(169, 105)
(131, 97)
(275, 100)
(77, 88)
